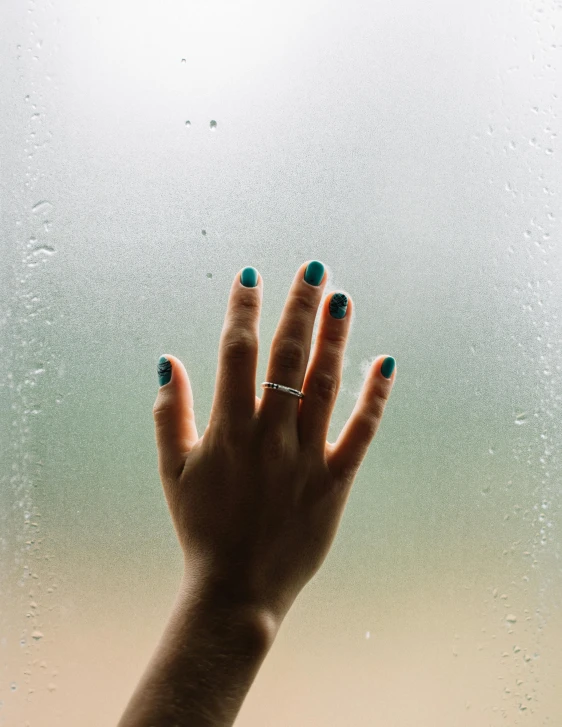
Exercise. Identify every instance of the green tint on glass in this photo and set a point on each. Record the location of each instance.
(414, 186)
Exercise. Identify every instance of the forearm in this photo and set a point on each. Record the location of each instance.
(203, 667)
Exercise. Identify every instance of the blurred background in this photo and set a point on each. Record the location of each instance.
(151, 151)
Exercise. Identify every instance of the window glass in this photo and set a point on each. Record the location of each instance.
(152, 150)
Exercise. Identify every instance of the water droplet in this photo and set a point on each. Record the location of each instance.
(41, 206)
(203, 232)
(44, 250)
(13, 686)
(37, 635)
(511, 618)
(521, 418)
(213, 124)
(188, 123)
(183, 60)
(51, 687)
(209, 275)
(516, 649)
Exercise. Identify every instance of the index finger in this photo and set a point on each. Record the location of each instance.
(235, 388)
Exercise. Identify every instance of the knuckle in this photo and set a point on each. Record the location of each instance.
(162, 407)
(160, 412)
(370, 416)
(378, 401)
(368, 422)
(335, 337)
(376, 407)
(326, 386)
(274, 445)
(306, 303)
(239, 347)
(226, 435)
(248, 300)
(290, 355)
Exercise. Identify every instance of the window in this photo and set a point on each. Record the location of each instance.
(149, 152)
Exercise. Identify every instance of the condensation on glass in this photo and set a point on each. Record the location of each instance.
(150, 152)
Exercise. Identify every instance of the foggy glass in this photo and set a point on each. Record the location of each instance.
(149, 151)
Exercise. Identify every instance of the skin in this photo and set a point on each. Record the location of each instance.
(256, 501)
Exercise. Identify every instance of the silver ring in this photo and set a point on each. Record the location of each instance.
(280, 387)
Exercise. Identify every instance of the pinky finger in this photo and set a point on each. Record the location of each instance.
(347, 454)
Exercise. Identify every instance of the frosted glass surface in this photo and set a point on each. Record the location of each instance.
(414, 148)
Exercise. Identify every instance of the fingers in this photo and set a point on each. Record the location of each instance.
(290, 348)
(324, 373)
(235, 390)
(174, 419)
(349, 451)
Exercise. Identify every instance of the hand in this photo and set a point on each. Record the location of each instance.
(257, 500)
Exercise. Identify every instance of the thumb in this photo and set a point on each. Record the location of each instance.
(176, 432)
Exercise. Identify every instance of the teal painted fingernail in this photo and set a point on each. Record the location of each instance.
(164, 371)
(388, 367)
(338, 305)
(314, 273)
(249, 277)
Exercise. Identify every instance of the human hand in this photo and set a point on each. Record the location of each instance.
(257, 500)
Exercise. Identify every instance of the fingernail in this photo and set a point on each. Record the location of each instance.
(164, 371)
(249, 277)
(338, 305)
(314, 273)
(388, 367)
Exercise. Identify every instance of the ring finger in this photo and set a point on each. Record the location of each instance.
(324, 373)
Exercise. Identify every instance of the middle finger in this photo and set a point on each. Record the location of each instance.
(290, 347)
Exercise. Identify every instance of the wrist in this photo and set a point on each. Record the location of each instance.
(205, 663)
(211, 601)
